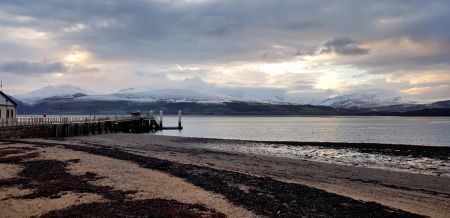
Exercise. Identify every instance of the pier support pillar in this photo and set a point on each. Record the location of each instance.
(179, 121)
(161, 119)
(77, 129)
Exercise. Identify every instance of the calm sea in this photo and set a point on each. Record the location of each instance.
(393, 130)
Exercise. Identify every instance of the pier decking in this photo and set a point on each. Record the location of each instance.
(45, 127)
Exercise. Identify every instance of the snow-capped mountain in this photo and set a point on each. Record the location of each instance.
(360, 101)
(74, 94)
(78, 101)
(60, 92)
(168, 95)
(128, 90)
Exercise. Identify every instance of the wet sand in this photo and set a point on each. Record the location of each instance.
(123, 172)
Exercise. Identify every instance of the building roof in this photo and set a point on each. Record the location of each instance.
(8, 98)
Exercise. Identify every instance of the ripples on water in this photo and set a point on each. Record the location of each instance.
(344, 156)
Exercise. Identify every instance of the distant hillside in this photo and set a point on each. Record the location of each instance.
(193, 108)
(360, 101)
(52, 92)
(429, 112)
(73, 100)
(123, 107)
(441, 104)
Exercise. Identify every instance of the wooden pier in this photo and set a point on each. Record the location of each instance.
(54, 127)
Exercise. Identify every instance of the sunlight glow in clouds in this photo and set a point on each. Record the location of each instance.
(279, 68)
(76, 55)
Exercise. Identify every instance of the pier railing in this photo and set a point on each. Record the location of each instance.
(38, 121)
(59, 126)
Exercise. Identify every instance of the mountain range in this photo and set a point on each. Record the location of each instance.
(74, 100)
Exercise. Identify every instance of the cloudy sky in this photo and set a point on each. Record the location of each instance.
(300, 49)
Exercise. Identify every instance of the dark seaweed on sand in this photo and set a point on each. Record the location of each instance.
(51, 178)
(264, 196)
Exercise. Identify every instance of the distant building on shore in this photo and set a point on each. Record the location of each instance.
(8, 107)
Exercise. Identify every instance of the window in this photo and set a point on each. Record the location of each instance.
(7, 113)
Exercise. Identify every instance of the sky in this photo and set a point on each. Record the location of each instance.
(300, 50)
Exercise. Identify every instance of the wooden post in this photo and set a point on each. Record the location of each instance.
(161, 119)
(179, 120)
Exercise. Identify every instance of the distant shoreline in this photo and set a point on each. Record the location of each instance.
(236, 115)
(226, 108)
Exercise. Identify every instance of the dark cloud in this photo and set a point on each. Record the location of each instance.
(23, 67)
(343, 46)
(154, 30)
(402, 64)
(207, 33)
(218, 31)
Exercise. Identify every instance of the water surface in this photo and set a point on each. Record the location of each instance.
(430, 131)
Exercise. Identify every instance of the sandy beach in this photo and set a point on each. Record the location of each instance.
(134, 175)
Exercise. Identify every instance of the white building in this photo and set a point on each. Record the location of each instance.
(8, 108)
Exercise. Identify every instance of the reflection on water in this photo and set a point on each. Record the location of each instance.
(346, 156)
(392, 130)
